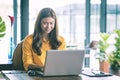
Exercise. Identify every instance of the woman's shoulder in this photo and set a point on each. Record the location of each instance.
(28, 38)
(61, 38)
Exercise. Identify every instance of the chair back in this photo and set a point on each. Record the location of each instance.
(17, 57)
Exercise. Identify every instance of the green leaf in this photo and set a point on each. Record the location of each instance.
(2, 28)
(0, 19)
(114, 57)
(104, 36)
(103, 44)
(2, 35)
(117, 31)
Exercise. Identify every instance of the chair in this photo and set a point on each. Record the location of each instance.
(17, 62)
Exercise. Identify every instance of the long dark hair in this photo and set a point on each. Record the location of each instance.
(37, 35)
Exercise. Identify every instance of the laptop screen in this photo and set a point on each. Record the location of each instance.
(63, 62)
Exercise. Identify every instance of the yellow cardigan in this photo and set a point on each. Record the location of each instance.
(30, 57)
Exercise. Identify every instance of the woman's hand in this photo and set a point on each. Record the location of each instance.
(35, 67)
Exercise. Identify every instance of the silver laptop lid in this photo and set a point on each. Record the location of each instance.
(63, 62)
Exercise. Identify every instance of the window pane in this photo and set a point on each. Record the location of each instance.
(95, 20)
(94, 31)
(6, 8)
(71, 18)
(113, 15)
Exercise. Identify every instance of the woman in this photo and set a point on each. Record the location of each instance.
(45, 37)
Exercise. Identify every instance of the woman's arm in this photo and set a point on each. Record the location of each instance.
(27, 52)
(28, 55)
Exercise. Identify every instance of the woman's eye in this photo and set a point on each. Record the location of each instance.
(44, 23)
(51, 23)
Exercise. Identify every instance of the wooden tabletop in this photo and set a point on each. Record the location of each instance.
(21, 75)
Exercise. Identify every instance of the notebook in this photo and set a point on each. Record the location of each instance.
(63, 63)
(95, 73)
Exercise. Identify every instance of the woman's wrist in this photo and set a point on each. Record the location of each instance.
(34, 67)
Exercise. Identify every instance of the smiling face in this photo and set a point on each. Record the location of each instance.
(47, 24)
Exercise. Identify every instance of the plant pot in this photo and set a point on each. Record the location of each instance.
(115, 71)
(104, 66)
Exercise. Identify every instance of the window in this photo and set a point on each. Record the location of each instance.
(72, 21)
(113, 15)
(6, 45)
(71, 18)
(94, 30)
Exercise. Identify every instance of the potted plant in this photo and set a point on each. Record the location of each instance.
(2, 28)
(103, 45)
(114, 57)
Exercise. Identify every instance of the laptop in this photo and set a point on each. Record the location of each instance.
(63, 63)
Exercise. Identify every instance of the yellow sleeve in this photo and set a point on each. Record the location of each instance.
(27, 52)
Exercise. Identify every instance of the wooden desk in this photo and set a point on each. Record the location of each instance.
(1, 77)
(19, 75)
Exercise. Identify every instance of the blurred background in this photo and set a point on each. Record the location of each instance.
(80, 22)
